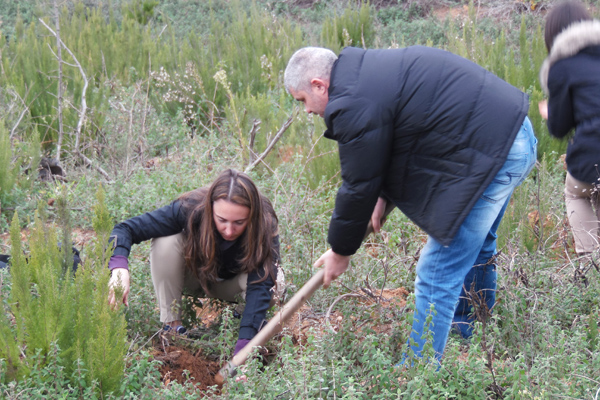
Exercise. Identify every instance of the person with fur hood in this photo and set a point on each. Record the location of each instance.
(571, 79)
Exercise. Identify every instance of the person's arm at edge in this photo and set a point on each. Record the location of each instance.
(164, 221)
(361, 178)
(560, 109)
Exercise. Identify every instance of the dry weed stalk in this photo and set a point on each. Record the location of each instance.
(483, 313)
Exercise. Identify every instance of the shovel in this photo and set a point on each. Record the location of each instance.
(276, 323)
(272, 328)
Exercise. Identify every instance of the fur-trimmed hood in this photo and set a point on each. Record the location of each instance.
(568, 43)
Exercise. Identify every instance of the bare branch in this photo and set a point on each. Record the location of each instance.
(161, 32)
(270, 146)
(59, 91)
(330, 309)
(83, 109)
(145, 109)
(253, 132)
(57, 57)
(130, 130)
(25, 109)
(90, 163)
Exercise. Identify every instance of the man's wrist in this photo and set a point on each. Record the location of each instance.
(340, 253)
(340, 257)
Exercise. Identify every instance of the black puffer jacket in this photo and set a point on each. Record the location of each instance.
(423, 127)
(571, 75)
(171, 220)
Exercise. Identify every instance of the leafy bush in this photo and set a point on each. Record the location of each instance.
(168, 113)
(60, 317)
(7, 169)
(402, 27)
(352, 28)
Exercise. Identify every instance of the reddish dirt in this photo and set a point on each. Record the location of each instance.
(306, 319)
(287, 152)
(182, 365)
(82, 237)
(442, 13)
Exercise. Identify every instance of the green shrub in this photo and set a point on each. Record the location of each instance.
(519, 65)
(61, 317)
(353, 28)
(239, 58)
(8, 171)
(542, 339)
(400, 27)
(105, 51)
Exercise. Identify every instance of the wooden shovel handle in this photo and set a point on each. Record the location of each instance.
(276, 323)
(274, 326)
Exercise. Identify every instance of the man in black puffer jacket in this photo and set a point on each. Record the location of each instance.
(442, 139)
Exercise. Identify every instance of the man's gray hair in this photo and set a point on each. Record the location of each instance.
(306, 64)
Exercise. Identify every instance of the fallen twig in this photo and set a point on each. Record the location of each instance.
(328, 314)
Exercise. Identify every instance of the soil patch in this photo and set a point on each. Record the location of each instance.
(182, 364)
(381, 303)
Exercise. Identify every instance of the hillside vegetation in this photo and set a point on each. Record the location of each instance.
(155, 98)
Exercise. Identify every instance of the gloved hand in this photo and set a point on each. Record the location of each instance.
(241, 343)
(119, 278)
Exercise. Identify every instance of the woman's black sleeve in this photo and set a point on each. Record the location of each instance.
(258, 297)
(165, 221)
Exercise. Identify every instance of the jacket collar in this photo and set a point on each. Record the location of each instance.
(568, 43)
(347, 65)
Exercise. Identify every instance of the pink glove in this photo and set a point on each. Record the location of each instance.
(241, 343)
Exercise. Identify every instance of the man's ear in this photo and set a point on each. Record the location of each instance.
(320, 85)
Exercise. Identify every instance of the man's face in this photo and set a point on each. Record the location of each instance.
(315, 100)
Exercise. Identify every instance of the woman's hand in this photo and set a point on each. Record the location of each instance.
(119, 281)
(243, 378)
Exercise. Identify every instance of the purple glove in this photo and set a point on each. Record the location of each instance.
(241, 343)
(118, 262)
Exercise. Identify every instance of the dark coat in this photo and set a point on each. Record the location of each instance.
(423, 127)
(171, 220)
(571, 75)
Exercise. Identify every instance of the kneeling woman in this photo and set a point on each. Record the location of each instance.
(219, 241)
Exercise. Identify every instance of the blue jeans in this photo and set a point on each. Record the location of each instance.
(442, 271)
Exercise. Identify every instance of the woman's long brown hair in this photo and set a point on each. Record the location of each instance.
(201, 247)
